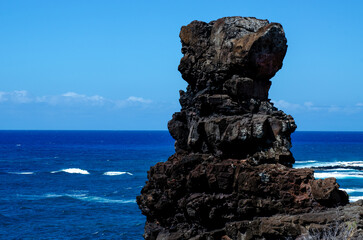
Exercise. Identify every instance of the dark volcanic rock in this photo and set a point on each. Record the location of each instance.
(228, 64)
(245, 47)
(340, 223)
(231, 172)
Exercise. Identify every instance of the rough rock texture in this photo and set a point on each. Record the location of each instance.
(231, 175)
(342, 223)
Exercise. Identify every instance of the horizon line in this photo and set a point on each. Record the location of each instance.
(149, 130)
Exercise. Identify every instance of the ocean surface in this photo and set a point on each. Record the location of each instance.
(83, 184)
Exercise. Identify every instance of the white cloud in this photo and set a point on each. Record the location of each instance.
(81, 98)
(286, 105)
(69, 98)
(2, 96)
(97, 98)
(310, 106)
(72, 94)
(18, 96)
(132, 101)
(138, 100)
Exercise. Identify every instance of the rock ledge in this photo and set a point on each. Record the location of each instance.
(231, 175)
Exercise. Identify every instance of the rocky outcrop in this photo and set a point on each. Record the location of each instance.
(334, 223)
(231, 173)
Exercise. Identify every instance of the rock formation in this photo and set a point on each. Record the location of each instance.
(231, 176)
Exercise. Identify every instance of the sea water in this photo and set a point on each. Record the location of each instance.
(83, 184)
(335, 154)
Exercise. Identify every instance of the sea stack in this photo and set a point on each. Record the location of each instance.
(231, 176)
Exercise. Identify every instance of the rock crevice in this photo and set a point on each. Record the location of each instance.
(232, 166)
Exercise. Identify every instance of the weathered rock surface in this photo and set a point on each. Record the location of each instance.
(341, 223)
(231, 175)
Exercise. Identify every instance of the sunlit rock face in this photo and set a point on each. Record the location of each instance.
(228, 64)
(233, 161)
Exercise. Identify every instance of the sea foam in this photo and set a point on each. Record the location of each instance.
(352, 190)
(355, 198)
(313, 163)
(78, 196)
(113, 173)
(308, 161)
(72, 170)
(337, 175)
(104, 200)
(22, 173)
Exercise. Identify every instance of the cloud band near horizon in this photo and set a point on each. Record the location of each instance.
(69, 98)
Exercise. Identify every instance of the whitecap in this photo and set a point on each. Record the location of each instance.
(354, 163)
(352, 190)
(305, 164)
(79, 196)
(340, 163)
(313, 163)
(308, 161)
(355, 198)
(343, 163)
(72, 170)
(22, 173)
(103, 200)
(337, 175)
(342, 169)
(114, 173)
(51, 195)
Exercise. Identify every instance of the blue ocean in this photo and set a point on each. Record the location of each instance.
(83, 184)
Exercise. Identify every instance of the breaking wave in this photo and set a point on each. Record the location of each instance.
(338, 175)
(352, 190)
(77, 171)
(22, 173)
(114, 173)
(307, 161)
(81, 197)
(357, 165)
(355, 198)
(72, 170)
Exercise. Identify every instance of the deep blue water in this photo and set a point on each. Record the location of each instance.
(322, 149)
(83, 184)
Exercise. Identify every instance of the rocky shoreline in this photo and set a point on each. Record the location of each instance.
(231, 176)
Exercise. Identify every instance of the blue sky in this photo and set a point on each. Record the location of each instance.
(112, 65)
